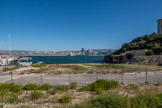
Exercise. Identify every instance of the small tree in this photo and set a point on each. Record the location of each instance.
(157, 51)
(148, 53)
(129, 56)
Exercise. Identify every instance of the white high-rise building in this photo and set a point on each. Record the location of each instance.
(159, 26)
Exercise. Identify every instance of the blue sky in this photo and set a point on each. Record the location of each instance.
(56, 25)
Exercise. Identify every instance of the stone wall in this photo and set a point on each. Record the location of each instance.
(154, 59)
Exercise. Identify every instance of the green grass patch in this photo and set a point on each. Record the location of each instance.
(80, 68)
(10, 69)
(117, 67)
(99, 90)
(110, 100)
(8, 97)
(66, 99)
(45, 87)
(133, 87)
(30, 86)
(36, 94)
(11, 87)
(73, 85)
(61, 88)
(44, 69)
(126, 68)
(54, 91)
(116, 100)
(158, 84)
(147, 100)
(39, 65)
(101, 84)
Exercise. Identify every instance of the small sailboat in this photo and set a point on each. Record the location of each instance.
(6, 59)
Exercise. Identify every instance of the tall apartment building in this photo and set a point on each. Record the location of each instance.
(159, 26)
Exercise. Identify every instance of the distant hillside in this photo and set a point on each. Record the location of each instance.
(151, 43)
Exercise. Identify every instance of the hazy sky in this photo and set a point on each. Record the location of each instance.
(54, 25)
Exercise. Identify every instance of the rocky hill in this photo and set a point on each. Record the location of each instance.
(148, 45)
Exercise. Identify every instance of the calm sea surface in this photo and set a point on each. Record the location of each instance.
(66, 59)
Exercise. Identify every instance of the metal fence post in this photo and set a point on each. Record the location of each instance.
(146, 76)
(41, 79)
(69, 78)
(11, 77)
(104, 71)
(96, 74)
(122, 77)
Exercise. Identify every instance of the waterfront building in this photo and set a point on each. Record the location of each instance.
(159, 26)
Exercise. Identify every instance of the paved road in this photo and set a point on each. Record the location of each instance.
(81, 79)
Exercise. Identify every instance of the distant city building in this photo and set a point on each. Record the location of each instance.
(89, 52)
(159, 26)
(82, 51)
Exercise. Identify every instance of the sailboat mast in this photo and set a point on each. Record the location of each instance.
(1, 46)
(9, 45)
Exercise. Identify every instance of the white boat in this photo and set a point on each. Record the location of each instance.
(6, 60)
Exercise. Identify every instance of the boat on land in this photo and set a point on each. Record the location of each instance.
(6, 60)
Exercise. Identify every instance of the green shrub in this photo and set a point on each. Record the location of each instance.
(11, 87)
(157, 50)
(147, 100)
(3, 95)
(8, 97)
(148, 53)
(80, 68)
(110, 100)
(129, 56)
(12, 98)
(84, 104)
(73, 85)
(45, 87)
(36, 94)
(66, 99)
(62, 87)
(85, 88)
(102, 84)
(54, 91)
(99, 90)
(6, 69)
(116, 100)
(30, 87)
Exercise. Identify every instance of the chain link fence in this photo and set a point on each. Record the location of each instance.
(85, 78)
